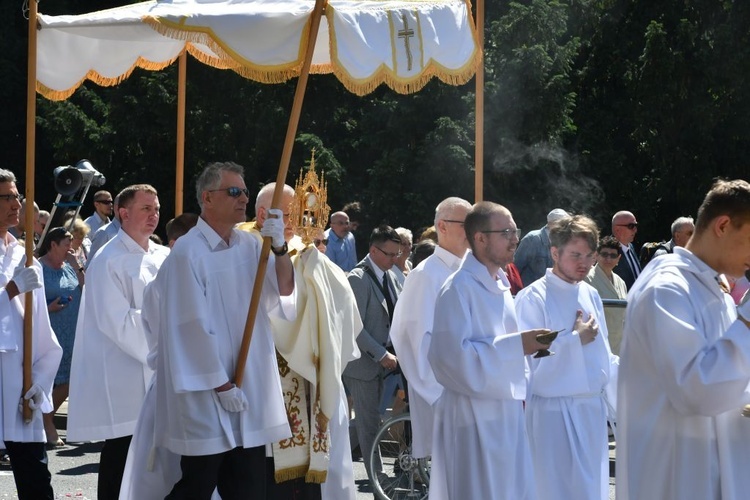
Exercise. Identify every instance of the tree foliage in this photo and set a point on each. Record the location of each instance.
(591, 105)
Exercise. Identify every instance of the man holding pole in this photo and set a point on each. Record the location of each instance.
(218, 428)
(23, 441)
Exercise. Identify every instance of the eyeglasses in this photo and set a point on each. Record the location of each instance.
(506, 233)
(318, 242)
(10, 197)
(106, 202)
(389, 254)
(607, 255)
(234, 192)
(454, 221)
(630, 226)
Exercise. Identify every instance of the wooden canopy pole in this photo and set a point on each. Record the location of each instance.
(179, 186)
(286, 157)
(29, 215)
(479, 110)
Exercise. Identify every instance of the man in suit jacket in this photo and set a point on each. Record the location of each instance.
(364, 376)
(624, 229)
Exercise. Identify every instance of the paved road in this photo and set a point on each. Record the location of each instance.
(74, 472)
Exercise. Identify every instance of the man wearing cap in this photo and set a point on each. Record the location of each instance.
(102, 210)
(533, 256)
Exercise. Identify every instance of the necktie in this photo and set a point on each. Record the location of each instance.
(387, 295)
(633, 263)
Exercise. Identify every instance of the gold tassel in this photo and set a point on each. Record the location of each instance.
(289, 474)
(316, 476)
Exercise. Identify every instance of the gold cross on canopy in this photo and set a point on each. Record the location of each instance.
(406, 33)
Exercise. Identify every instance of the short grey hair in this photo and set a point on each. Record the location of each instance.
(448, 205)
(210, 178)
(679, 222)
(7, 176)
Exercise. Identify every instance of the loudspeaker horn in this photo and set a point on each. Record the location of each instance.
(68, 180)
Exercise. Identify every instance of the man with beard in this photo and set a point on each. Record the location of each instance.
(478, 356)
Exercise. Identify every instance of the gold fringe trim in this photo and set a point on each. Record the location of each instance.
(363, 86)
(316, 476)
(225, 58)
(61, 95)
(291, 473)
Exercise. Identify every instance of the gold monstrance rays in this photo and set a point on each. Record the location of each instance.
(310, 209)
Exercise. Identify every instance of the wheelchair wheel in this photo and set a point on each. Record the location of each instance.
(402, 476)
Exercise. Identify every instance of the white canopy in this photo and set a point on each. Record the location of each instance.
(364, 43)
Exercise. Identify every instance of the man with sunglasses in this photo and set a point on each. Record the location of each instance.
(376, 291)
(624, 229)
(218, 428)
(24, 441)
(102, 211)
(480, 449)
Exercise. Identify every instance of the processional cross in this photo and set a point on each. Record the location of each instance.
(406, 33)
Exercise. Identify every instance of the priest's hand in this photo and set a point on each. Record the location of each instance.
(273, 227)
(233, 400)
(530, 342)
(587, 330)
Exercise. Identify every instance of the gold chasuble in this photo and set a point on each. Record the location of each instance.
(309, 352)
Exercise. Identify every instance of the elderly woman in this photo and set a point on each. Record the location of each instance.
(63, 279)
(402, 266)
(610, 286)
(80, 244)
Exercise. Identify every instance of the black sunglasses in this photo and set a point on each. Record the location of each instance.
(630, 226)
(233, 191)
(318, 242)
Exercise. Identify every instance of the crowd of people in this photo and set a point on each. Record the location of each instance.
(513, 380)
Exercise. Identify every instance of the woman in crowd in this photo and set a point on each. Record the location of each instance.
(610, 286)
(63, 279)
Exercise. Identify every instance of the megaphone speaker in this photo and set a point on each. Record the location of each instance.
(68, 180)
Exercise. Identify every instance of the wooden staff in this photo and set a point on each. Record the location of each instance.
(286, 156)
(479, 110)
(179, 187)
(29, 219)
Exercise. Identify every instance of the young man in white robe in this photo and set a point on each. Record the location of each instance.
(569, 392)
(23, 441)
(109, 374)
(414, 313)
(478, 355)
(219, 429)
(685, 364)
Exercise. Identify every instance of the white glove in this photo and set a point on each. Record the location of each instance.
(273, 227)
(27, 278)
(233, 400)
(35, 397)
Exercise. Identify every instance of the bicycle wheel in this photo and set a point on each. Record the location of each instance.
(402, 476)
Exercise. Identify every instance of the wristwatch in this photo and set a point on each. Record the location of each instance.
(281, 251)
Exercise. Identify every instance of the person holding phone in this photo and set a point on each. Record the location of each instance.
(63, 280)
